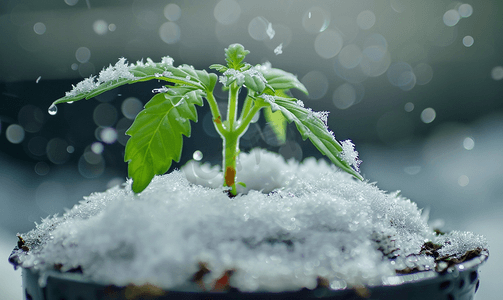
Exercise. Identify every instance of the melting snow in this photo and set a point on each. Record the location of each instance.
(293, 223)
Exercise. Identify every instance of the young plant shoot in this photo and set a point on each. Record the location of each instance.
(156, 133)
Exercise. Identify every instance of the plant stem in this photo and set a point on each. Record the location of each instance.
(231, 140)
(215, 112)
(230, 152)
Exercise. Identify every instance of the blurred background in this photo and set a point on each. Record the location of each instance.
(417, 86)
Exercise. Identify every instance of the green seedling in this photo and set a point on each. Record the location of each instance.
(157, 132)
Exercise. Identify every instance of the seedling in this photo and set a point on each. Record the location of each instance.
(156, 133)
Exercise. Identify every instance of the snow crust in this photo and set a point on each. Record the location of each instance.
(293, 223)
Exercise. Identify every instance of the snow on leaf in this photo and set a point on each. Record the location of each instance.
(349, 154)
(316, 130)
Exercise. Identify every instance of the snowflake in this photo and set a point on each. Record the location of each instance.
(167, 61)
(349, 154)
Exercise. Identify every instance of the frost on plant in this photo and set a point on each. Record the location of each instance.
(349, 154)
(158, 130)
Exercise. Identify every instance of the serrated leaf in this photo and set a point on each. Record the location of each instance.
(280, 80)
(181, 75)
(254, 83)
(156, 134)
(234, 55)
(277, 122)
(315, 129)
(218, 67)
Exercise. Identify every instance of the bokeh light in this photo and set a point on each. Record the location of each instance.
(39, 28)
(83, 54)
(350, 56)
(316, 19)
(463, 180)
(172, 12)
(465, 10)
(347, 94)
(100, 27)
(497, 73)
(400, 74)
(108, 135)
(328, 43)
(316, 83)
(423, 73)
(42, 168)
(130, 107)
(97, 148)
(468, 41)
(468, 143)
(366, 19)
(227, 12)
(451, 17)
(15, 133)
(56, 151)
(428, 115)
(169, 32)
(408, 107)
(257, 28)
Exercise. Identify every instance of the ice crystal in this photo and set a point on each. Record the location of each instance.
(349, 154)
(270, 99)
(167, 61)
(162, 89)
(85, 86)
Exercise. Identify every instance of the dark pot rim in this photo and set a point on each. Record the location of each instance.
(458, 279)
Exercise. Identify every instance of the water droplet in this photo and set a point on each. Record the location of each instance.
(198, 155)
(52, 110)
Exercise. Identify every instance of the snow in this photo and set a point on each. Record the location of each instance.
(121, 70)
(279, 50)
(349, 154)
(292, 223)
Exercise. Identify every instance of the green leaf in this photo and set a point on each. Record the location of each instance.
(234, 55)
(254, 83)
(156, 134)
(220, 68)
(122, 73)
(277, 122)
(312, 127)
(280, 80)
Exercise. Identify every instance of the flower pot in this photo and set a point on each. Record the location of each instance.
(458, 282)
(324, 235)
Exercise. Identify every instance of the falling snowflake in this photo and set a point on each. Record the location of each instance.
(279, 49)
